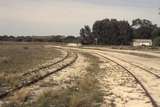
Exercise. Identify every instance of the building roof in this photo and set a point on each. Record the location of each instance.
(142, 40)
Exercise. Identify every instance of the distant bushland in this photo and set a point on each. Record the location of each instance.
(52, 38)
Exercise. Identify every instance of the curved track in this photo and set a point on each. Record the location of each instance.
(147, 87)
(46, 66)
(150, 88)
(32, 77)
(145, 69)
(154, 103)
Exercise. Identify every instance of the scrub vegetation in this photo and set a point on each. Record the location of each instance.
(15, 59)
(84, 92)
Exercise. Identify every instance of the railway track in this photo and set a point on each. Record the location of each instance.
(145, 69)
(135, 70)
(46, 65)
(154, 103)
(33, 77)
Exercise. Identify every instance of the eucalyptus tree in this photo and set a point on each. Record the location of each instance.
(112, 32)
(86, 36)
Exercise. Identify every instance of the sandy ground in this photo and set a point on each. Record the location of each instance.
(149, 53)
(61, 79)
(151, 83)
(152, 64)
(145, 77)
(120, 88)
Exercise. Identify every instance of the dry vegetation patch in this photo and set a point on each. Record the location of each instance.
(15, 59)
(79, 89)
(18, 58)
(84, 91)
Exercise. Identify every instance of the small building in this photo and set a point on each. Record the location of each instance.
(74, 44)
(142, 42)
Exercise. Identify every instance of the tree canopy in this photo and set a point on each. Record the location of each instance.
(86, 36)
(142, 29)
(119, 32)
(112, 31)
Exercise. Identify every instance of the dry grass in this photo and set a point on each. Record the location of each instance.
(83, 93)
(8, 79)
(21, 96)
(18, 100)
(17, 58)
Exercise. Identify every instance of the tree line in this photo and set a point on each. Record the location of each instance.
(52, 38)
(115, 32)
(103, 32)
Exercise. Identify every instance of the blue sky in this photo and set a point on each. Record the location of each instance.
(46, 17)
